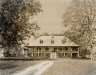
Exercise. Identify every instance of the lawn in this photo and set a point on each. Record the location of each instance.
(59, 67)
(9, 67)
(71, 67)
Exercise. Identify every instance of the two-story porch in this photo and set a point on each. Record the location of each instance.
(53, 52)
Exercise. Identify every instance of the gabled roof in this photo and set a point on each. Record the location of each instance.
(57, 41)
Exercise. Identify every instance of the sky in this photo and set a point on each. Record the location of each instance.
(50, 20)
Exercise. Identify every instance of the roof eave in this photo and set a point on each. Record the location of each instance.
(52, 46)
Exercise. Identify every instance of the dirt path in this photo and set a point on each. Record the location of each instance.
(35, 70)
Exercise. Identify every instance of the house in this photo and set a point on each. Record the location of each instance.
(52, 47)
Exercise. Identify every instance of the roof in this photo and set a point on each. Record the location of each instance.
(57, 41)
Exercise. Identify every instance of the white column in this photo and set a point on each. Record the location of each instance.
(57, 52)
(63, 51)
(38, 52)
(71, 55)
(71, 52)
(50, 52)
(50, 55)
(78, 52)
(44, 52)
(64, 54)
(32, 52)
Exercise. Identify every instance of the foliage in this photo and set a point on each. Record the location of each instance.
(14, 25)
(80, 17)
(45, 34)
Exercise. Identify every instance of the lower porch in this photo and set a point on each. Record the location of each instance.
(53, 52)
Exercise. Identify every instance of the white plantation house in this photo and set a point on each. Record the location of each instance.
(52, 47)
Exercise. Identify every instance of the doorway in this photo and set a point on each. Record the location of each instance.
(53, 55)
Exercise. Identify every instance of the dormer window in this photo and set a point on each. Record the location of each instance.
(52, 41)
(64, 41)
(41, 41)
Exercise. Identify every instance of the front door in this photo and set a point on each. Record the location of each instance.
(53, 55)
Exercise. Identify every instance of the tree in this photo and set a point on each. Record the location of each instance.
(14, 22)
(45, 34)
(80, 17)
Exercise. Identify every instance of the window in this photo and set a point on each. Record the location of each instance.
(66, 49)
(47, 49)
(60, 49)
(52, 41)
(64, 41)
(39, 49)
(41, 41)
(74, 49)
(55, 50)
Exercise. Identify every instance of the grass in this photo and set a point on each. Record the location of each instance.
(9, 67)
(60, 67)
(69, 67)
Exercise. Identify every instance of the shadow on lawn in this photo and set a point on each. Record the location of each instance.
(8, 67)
